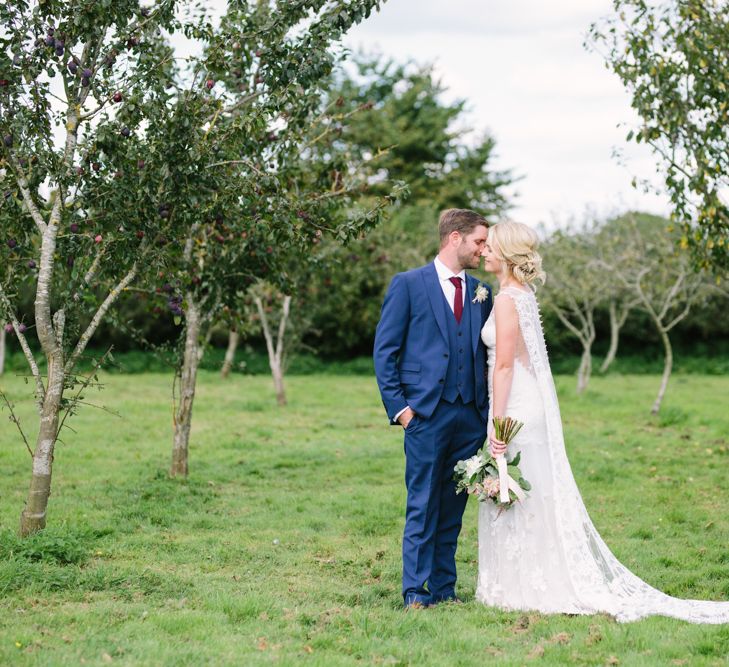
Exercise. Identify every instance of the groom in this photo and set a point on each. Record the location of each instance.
(431, 369)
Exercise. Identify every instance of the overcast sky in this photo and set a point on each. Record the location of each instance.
(552, 106)
(557, 114)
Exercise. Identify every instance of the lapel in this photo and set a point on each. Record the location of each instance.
(475, 311)
(435, 295)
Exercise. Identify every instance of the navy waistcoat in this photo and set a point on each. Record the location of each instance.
(460, 374)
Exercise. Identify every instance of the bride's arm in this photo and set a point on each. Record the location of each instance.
(507, 332)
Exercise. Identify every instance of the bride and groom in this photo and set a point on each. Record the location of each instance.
(448, 357)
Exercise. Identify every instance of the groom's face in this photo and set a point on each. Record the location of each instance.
(471, 247)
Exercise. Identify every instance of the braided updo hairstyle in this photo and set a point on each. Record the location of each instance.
(517, 244)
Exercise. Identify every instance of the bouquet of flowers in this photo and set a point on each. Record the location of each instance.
(493, 478)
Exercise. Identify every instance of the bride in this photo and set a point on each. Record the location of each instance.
(544, 554)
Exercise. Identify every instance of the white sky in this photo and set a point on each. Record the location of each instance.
(551, 105)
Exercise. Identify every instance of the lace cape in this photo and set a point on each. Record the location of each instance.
(601, 582)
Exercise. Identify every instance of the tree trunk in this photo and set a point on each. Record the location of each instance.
(278, 383)
(183, 412)
(614, 331)
(233, 338)
(33, 517)
(585, 369)
(2, 347)
(585, 333)
(667, 367)
(276, 348)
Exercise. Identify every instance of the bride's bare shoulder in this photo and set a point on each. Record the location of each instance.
(511, 294)
(505, 308)
(512, 291)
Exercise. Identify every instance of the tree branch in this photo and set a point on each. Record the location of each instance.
(563, 318)
(84, 384)
(30, 205)
(187, 252)
(205, 341)
(266, 331)
(48, 243)
(282, 327)
(338, 117)
(234, 108)
(247, 163)
(40, 388)
(93, 269)
(641, 294)
(90, 114)
(668, 302)
(678, 317)
(95, 321)
(626, 305)
(16, 421)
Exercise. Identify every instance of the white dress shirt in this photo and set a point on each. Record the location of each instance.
(449, 290)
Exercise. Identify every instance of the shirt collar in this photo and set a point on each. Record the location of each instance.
(444, 273)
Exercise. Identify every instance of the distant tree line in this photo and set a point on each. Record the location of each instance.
(337, 299)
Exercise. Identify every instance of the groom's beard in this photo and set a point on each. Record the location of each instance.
(469, 261)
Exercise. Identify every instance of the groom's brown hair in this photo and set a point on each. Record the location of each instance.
(462, 220)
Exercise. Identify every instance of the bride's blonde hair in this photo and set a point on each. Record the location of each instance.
(517, 245)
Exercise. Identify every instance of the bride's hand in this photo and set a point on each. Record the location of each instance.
(497, 446)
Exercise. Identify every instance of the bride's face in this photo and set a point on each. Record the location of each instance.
(491, 255)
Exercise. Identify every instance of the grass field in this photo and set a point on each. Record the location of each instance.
(284, 544)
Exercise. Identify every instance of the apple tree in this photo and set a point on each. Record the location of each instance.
(119, 159)
(237, 167)
(65, 71)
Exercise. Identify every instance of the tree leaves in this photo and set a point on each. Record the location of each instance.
(673, 58)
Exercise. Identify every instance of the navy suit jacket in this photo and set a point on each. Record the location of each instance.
(411, 342)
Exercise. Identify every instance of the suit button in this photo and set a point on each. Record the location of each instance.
(460, 368)
(446, 355)
(441, 381)
(460, 333)
(461, 350)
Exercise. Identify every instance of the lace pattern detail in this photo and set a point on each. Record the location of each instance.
(574, 571)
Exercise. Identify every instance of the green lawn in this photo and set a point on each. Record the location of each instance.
(284, 544)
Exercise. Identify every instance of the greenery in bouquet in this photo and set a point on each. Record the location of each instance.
(479, 476)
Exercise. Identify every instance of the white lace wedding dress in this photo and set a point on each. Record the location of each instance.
(544, 554)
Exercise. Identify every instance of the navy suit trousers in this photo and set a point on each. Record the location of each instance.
(434, 512)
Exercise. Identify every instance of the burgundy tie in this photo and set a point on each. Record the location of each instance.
(458, 303)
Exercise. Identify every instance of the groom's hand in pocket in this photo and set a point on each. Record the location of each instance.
(405, 417)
